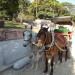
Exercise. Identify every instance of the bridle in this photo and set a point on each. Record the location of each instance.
(29, 35)
(45, 37)
(29, 40)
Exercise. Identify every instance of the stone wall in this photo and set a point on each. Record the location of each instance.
(11, 34)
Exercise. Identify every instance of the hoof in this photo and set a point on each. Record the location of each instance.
(45, 71)
(51, 73)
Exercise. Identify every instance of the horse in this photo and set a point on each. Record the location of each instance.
(29, 37)
(52, 45)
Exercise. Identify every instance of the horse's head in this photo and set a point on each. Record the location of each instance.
(27, 37)
(43, 37)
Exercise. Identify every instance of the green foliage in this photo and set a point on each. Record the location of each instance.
(9, 8)
(13, 7)
(23, 9)
(48, 7)
(23, 6)
(11, 24)
(67, 4)
(2, 14)
(45, 14)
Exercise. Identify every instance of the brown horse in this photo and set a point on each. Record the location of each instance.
(44, 38)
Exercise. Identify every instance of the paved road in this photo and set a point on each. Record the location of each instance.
(11, 51)
(65, 68)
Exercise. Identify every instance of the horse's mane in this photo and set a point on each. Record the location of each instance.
(41, 31)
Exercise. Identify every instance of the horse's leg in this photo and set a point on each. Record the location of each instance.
(52, 60)
(66, 55)
(60, 56)
(46, 63)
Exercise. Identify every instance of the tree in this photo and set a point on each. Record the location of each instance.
(10, 7)
(23, 6)
(45, 6)
(68, 6)
(32, 9)
(49, 7)
(2, 10)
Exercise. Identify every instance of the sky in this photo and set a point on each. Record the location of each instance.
(71, 1)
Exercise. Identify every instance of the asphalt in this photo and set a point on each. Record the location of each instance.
(65, 68)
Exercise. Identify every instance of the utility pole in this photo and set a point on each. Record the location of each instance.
(36, 8)
(53, 9)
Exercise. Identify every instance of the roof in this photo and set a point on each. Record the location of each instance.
(64, 23)
(65, 20)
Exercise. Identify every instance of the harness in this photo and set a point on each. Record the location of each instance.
(53, 43)
(46, 47)
(53, 40)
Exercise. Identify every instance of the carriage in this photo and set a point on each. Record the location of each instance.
(67, 23)
(56, 41)
(66, 27)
